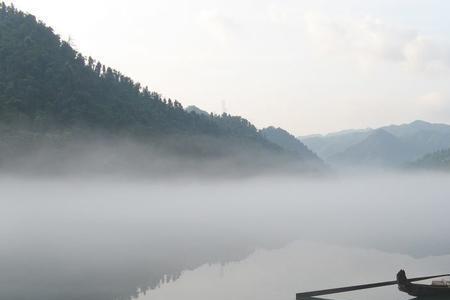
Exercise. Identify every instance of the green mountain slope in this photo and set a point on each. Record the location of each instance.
(53, 96)
(45, 82)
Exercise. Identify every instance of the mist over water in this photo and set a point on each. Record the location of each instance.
(116, 238)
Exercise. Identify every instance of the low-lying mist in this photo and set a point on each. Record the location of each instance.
(100, 238)
(184, 156)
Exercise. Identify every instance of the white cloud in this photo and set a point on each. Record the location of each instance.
(428, 54)
(370, 40)
(219, 26)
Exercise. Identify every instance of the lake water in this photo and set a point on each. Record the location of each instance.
(298, 267)
(260, 238)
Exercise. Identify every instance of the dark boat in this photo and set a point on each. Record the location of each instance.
(437, 288)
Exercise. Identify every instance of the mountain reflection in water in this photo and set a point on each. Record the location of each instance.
(301, 266)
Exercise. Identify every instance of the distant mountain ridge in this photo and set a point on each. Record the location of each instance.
(195, 109)
(379, 148)
(332, 144)
(386, 146)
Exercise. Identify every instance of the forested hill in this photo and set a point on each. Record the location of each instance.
(50, 93)
(44, 81)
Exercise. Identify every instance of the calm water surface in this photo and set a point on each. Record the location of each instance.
(300, 266)
(264, 238)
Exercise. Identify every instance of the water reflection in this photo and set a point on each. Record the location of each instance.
(299, 267)
(109, 239)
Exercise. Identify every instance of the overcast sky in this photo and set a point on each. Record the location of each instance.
(307, 66)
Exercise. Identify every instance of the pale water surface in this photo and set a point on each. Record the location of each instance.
(298, 267)
(260, 238)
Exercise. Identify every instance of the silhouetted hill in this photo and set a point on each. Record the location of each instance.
(379, 148)
(289, 143)
(195, 109)
(53, 96)
(334, 143)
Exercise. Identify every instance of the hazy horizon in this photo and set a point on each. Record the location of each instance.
(306, 66)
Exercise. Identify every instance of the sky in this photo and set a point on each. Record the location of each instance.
(308, 66)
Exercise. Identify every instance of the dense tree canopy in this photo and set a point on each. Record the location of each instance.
(44, 82)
